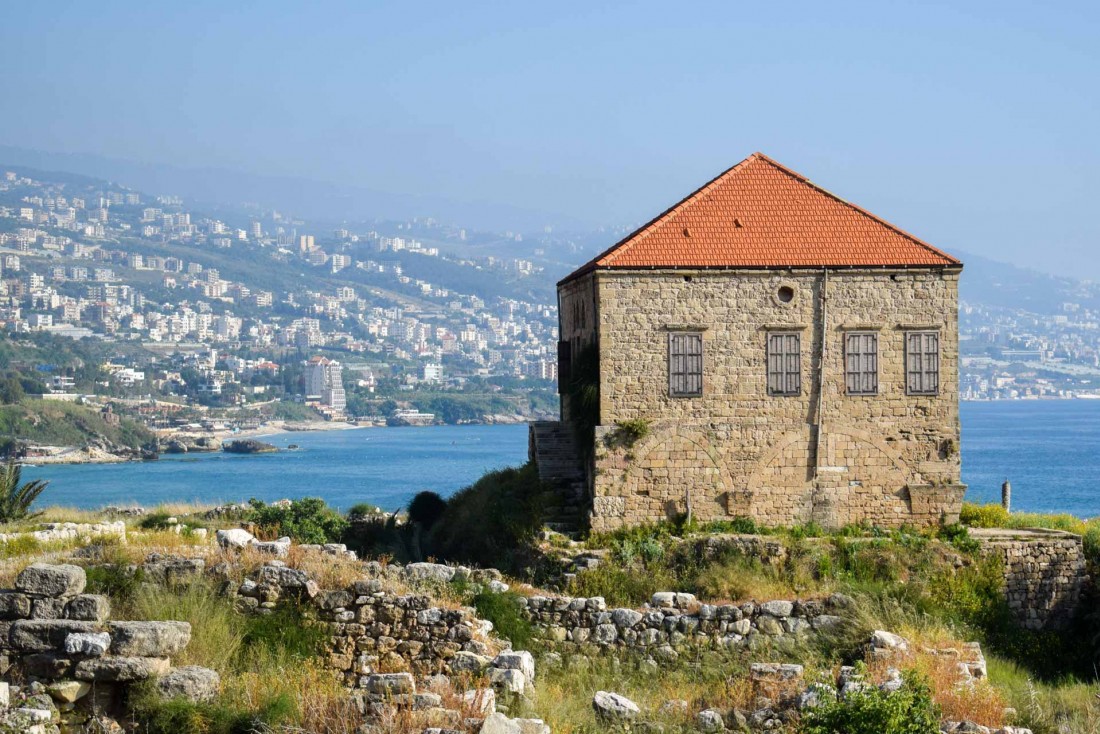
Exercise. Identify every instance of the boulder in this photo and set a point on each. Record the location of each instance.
(882, 640)
(190, 682)
(44, 579)
(532, 726)
(234, 538)
(121, 669)
(88, 644)
(149, 639)
(611, 707)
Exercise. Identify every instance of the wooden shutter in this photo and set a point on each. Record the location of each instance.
(685, 364)
(861, 363)
(922, 362)
(784, 364)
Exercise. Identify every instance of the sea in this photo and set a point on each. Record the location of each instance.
(1048, 450)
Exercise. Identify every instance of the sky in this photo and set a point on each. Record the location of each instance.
(971, 124)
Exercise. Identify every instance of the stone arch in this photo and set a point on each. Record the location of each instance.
(670, 465)
(861, 478)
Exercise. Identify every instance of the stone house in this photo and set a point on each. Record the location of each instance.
(761, 349)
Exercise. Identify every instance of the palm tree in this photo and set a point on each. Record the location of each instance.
(16, 496)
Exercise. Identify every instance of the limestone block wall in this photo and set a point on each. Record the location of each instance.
(889, 458)
(1044, 573)
(675, 621)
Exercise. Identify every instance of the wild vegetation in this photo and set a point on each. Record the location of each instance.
(933, 588)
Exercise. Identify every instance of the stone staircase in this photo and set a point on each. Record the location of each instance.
(552, 447)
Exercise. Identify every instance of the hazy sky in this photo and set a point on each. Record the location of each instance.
(972, 124)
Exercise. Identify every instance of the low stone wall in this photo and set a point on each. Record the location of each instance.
(56, 531)
(1044, 573)
(674, 621)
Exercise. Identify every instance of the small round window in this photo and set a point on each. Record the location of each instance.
(785, 294)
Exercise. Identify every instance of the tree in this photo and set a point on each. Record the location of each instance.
(11, 390)
(17, 496)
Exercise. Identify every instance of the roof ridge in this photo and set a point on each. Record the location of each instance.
(855, 207)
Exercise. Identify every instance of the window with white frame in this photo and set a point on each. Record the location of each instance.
(861, 363)
(922, 362)
(685, 364)
(784, 363)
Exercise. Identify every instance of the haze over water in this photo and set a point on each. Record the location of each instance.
(1050, 450)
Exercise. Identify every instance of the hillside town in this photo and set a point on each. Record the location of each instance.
(226, 306)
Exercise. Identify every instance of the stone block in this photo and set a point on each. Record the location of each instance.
(191, 682)
(33, 635)
(44, 579)
(121, 669)
(148, 639)
(89, 608)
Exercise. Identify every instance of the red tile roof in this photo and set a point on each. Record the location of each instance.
(760, 214)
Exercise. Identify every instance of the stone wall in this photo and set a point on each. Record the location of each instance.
(54, 634)
(675, 621)
(889, 459)
(1044, 573)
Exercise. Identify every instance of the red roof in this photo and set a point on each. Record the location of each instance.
(760, 214)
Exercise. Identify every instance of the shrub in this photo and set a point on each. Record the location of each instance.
(363, 510)
(871, 710)
(487, 522)
(426, 508)
(286, 631)
(984, 516)
(307, 520)
(154, 521)
(506, 613)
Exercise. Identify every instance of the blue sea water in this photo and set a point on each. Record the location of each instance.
(1050, 450)
(382, 466)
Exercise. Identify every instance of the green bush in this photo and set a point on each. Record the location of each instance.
(307, 520)
(154, 521)
(114, 580)
(488, 522)
(180, 716)
(984, 516)
(871, 710)
(505, 611)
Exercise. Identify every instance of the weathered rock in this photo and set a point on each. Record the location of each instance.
(40, 635)
(777, 608)
(43, 579)
(532, 726)
(883, 640)
(429, 572)
(520, 660)
(710, 721)
(88, 608)
(480, 700)
(508, 680)
(278, 548)
(68, 691)
(612, 707)
(234, 538)
(499, 724)
(625, 617)
(14, 605)
(121, 669)
(149, 639)
(190, 682)
(88, 644)
(468, 662)
(390, 683)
